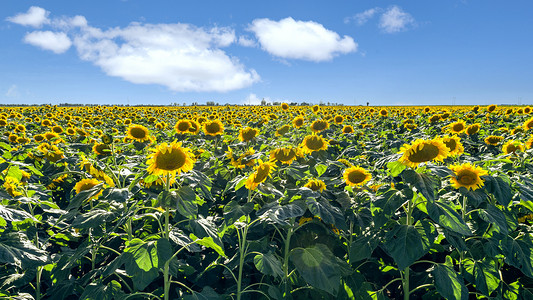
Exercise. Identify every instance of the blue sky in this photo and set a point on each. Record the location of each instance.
(415, 52)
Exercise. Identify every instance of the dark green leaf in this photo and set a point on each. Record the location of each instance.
(268, 264)
(406, 244)
(362, 247)
(446, 216)
(233, 211)
(448, 283)
(14, 215)
(93, 218)
(209, 243)
(202, 227)
(500, 188)
(16, 249)
(143, 259)
(207, 294)
(392, 199)
(82, 196)
(318, 267)
(519, 254)
(483, 275)
(280, 214)
(185, 197)
(494, 216)
(424, 183)
(102, 292)
(327, 212)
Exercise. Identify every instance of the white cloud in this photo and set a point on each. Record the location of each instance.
(247, 42)
(57, 42)
(35, 17)
(181, 57)
(395, 20)
(293, 39)
(252, 99)
(363, 17)
(13, 91)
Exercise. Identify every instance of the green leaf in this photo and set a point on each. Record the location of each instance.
(280, 214)
(93, 218)
(327, 212)
(102, 292)
(449, 283)
(407, 243)
(519, 254)
(424, 183)
(14, 171)
(82, 196)
(483, 275)
(476, 198)
(500, 187)
(320, 169)
(209, 243)
(143, 259)
(494, 216)
(185, 202)
(446, 216)
(362, 247)
(392, 199)
(268, 264)
(395, 168)
(202, 227)
(207, 294)
(233, 211)
(318, 267)
(14, 215)
(16, 249)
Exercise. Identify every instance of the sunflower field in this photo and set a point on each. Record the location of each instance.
(266, 202)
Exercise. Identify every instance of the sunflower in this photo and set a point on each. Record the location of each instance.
(13, 138)
(182, 126)
(57, 129)
(434, 118)
(51, 152)
(493, 140)
(347, 129)
(247, 134)
(472, 129)
(315, 108)
(421, 151)
(284, 106)
(512, 146)
(243, 160)
(468, 176)
(86, 184)
(101, 149)
(454, 145)
(491, 108)
(285, 155)
(282, 130)
(12, 186)
(457, 127)
(298, 122)
(528, 124)
(316, 185)
(356, 176)
(529, 142)
(319, 125)
(214, 127)
(262, 172)
(383, 112)
(338, 119)
(195, 127)
(313, 143)
(71, 131)
(138, 133)
(170, 159)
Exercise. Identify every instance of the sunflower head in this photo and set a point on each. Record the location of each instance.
(457, 127)
(383, 112)
(338, 119)
(284, 106)
(138, 133)
(12, 186)
(86, 184)
(421, 151)
(315, 108)
(347, 129)
(468, 176)
(285, 155)
(169, 159)
(454, 145)
(262, 172)
(316, 185)
(182, 126)
(313, 143)
(213, 127)
(493, 140)
(355, 176)
(491, 108)
(282, 130)
(528, 124)
(512, 146)
(247, 134)
(319, 125)
(298, 122)
(473, 129)
(101, 149)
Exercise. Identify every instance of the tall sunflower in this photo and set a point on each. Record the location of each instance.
(101, 149)
(214, 127)
(285, 155)
(355, 175)
(493, 140)
(262, 172)
(347, 129)
(512, 146)
(313, 143)
(182, 126)
(421, 151)
(457, 127)
(316, 185)
(298, 121)
(170, 159)
(86, 184)
(319, 125)
(473, 129)
(468, 176)
(138, 133)
(528, 124)
(454, 145)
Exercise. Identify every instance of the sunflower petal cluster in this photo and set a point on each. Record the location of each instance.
(467, 176)
(169, 159)
(421, 151)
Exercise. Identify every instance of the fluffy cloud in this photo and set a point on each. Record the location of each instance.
(293, 39)
(35, 17)
(252, 99)
(395, 19)
(179, 56)
(57, 42)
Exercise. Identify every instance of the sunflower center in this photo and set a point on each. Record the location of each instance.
(284, 154)
(493, 140)
(458, 127)
(298, 122)
(248, 134)
(212, 127)
(262, 173)
(348, 130)
(283, 130)
(170, 160)
(319, 125)
(138, 133)
(86, 186)
(451, 144)
(467, 177)
(314, 143)
(183, 126)
(428, 152)
(511, 148)
(356, 177)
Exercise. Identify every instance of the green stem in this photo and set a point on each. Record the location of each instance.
(242, 255)
(286, 260)
(405, 278)
(166, 270)
(38, 283)
(461, 253)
